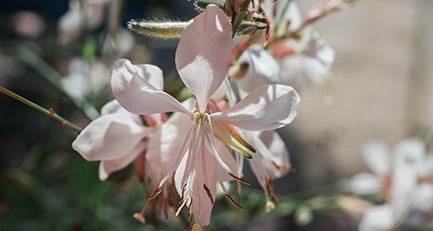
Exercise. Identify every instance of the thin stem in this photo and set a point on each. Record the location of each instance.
(51, 113)
(239, 17)
(280, 19)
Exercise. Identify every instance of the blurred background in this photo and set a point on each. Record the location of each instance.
(54, 54)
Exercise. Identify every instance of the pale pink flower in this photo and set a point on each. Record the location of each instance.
(310, 57)
(202, 60)
(305, 57)
(118, 136)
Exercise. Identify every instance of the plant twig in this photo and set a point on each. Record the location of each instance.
(63, 122)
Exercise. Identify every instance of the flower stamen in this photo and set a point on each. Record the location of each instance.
(209, 194)
(234, 202)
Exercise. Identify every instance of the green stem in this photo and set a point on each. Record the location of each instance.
(239, 17)
(280, 19)
(51, 113)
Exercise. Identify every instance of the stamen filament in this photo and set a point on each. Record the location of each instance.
(234, 202)
(240, 200)
(190, 209)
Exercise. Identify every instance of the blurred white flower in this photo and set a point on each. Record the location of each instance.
(85, 78)
(82, 15)
(406, 194)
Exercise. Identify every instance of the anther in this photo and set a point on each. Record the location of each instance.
(209, 194)
(156, 194)
(239, 179)
(234, 202)
(140, 218)
(181, 206)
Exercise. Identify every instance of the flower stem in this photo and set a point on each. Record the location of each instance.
(280, 19)
(239, 16)
(63, 121)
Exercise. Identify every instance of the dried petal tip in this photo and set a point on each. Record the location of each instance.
(269, 206)
(140, 218)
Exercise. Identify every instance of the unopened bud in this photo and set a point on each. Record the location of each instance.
(238, 71)
(303, 215)
(158, 29)
(203, 4)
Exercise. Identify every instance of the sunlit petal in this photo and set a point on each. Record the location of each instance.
(109, 137)
(266, 108)
(203, 53)
(131, 85)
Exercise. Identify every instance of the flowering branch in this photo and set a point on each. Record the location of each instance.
(63, 121)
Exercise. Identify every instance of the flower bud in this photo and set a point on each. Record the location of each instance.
(158, 29)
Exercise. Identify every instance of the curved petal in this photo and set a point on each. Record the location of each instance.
(263, 68)
(109, 137)
(378, 218)
(278, 151)
(108, 166)
(167, 142)
(409, 155)
(267, 108)
(365, 183)
(203, 53)
(377, 157)
(131, 85)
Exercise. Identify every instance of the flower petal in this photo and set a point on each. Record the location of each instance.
(109, 137)
(263, 68)
(376, 156)
(133, 87)
(202, 206)
(365, 183)
(167, 142)
(267, 108)
(378, 218)
(203, 53)
(108, 166)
